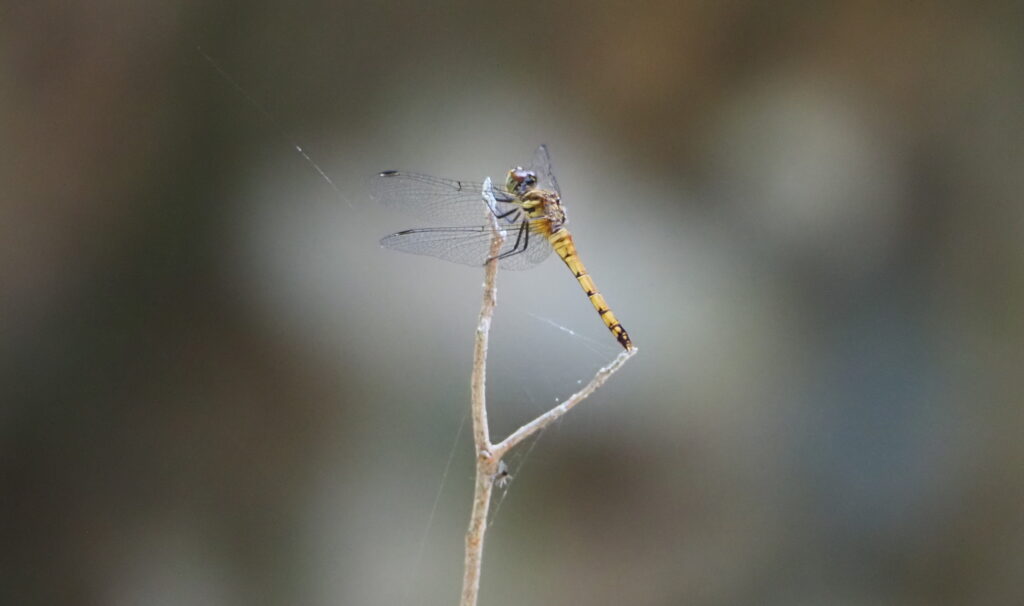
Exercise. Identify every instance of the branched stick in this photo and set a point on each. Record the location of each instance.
(488, 456)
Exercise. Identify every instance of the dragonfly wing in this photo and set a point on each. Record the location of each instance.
(439, 200)
(541, 165)
(471, 245)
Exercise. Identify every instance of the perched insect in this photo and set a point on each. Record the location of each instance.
(528, 207)
(502, 477)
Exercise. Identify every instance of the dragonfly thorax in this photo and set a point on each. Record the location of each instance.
(554, 211)
(540, 204)
(545, 206)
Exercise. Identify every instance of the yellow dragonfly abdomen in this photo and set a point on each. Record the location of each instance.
(565, 248)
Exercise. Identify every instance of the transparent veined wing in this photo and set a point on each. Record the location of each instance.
(471, 245)
(541, 165)
(439, 200)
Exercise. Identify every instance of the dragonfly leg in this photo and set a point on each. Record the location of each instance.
(511, 216)
(505, 214)
(523, 236)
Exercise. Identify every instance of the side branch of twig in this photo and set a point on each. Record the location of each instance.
(499, 450)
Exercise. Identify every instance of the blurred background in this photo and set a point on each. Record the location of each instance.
(216, 388)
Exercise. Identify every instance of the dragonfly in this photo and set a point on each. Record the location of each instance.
(528, 208)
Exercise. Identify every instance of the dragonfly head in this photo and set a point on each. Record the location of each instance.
(521, 180)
